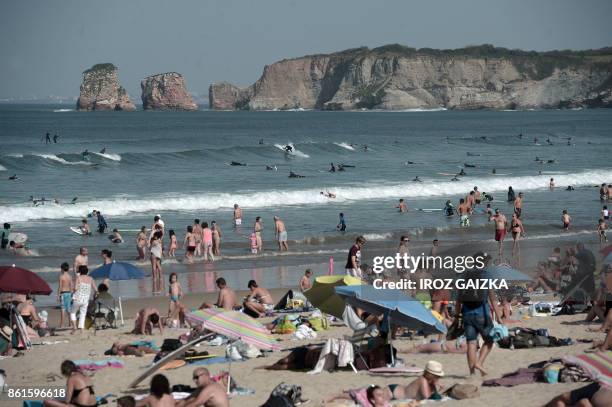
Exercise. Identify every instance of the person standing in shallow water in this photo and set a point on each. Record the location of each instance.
(216, 238)
(281, 234)
(141, 243)
(257, 229)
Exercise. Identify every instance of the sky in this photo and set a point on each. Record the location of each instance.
(46, 45)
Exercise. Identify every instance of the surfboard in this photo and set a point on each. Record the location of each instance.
(17, 237)
(77, 230)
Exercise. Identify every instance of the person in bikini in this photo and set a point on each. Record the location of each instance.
(517, 230)
(259, 301)
(79, 388)
(190, 245)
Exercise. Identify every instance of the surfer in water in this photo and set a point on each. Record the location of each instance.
(449, 209)
(328, 194)
(288, 149)
(85, 155)
(237, 164)
(103, 151)
(261, 142)
(455, 178)
(55, 138)
(13, 177)
(417, 179)
(271, 168)
(294, 175)
(462, 172)
(494, 171)
(47, 138)
(332, 168)
(84, 228)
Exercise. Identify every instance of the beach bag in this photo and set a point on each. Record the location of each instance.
(290, 392)
(319, 323)
(463, 391)
(455, 330)
(285, 326)
(541, 341)
(523, 340)
(170, 345)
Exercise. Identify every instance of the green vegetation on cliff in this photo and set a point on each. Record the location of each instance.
(101, 68)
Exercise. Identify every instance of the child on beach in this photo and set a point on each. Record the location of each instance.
(605, 214)
(601, 231)
(566, 220)
(116, 237)
(175, 292)
(253, 239)
(173, 243)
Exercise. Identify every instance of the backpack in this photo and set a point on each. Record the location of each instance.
(170, 345)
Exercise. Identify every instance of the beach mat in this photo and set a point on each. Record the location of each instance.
(597, 365)
(213, 360)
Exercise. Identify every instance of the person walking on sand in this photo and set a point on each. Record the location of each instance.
(216, 238)
(475, 307)
(83, 287)
(353, 262)
(281, 234)
(500, 229)
(207, 242)
(237, 215)
(257, 229)
(64, 293)
(518, 231)
(567, 219)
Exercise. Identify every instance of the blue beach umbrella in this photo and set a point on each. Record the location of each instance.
(504, 271)
(399, 307)
(118, 271)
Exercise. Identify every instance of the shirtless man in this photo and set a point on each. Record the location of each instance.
(237, 215)
(64, 294)
(258, 228)
(477, 196)
(421, 388)
(566, 220)
(305, 283)
(107, 256)
(463, 210)
(208, 393)
(145, 320)
(81, 259)
(226, 299)
(500, 229)
(197, 237)
(402, 206)
(470, 200)
(259, 300)
(551, 184)
(281, 234)
(85, 229)
(518, 205)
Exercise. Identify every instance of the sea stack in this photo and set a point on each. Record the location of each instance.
(100, 90)
(166, 91)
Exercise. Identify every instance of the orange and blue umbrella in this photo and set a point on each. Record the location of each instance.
(234, 325)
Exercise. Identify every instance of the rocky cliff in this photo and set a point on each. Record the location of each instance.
(395, 77)
(100, 90)
(166, 91)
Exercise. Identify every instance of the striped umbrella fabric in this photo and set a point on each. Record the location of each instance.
(597, 365)
(234, 325)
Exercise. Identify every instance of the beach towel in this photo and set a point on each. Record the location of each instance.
(93, 365)
(521, 376)
(597, 365)
(148, 344)
(335, 352)
(213, 360)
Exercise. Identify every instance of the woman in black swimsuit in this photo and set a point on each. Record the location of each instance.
(79, 388)
(517, 229)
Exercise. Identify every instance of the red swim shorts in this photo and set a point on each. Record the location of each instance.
(500, 234)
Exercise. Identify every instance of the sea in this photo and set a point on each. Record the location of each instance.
(179, 165)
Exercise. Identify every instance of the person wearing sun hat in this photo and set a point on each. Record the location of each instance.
(427, 386)
(6, 335)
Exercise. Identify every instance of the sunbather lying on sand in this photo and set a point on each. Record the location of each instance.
(456, 346)
(422, 388)
(125, 349)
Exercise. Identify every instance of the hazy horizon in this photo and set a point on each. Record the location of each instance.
(45, 46)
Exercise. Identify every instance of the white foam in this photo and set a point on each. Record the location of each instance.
(2, 168)
(53, 157)
(63, 110)
(295, 151)
(121, 206)
(15, 155)
(109, 156)
(345, 145)
(378, 236)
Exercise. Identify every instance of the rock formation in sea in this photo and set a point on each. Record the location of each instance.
(166, 91)
(100, 90)
(395, 77)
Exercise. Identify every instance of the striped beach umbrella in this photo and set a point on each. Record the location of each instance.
(234, 325)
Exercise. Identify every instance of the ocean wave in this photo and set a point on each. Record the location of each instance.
(295, 151)
(55, 158)
(345, 145)
(62, 110)
(122, 206)
(109, 156)
(378, 236)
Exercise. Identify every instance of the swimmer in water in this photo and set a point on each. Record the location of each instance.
(417, 179)
(103, 151)
(85, 155)
(294, 175)
(332, 168)
(328, 194)
(494, 171)
(261, 141)
(13, 177)
(271, 168)
(462, 172)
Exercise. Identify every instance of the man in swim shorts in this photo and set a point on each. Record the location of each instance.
(281, 234)
(518, 205)
(64, 292)
(464, 213)
(500, 229)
